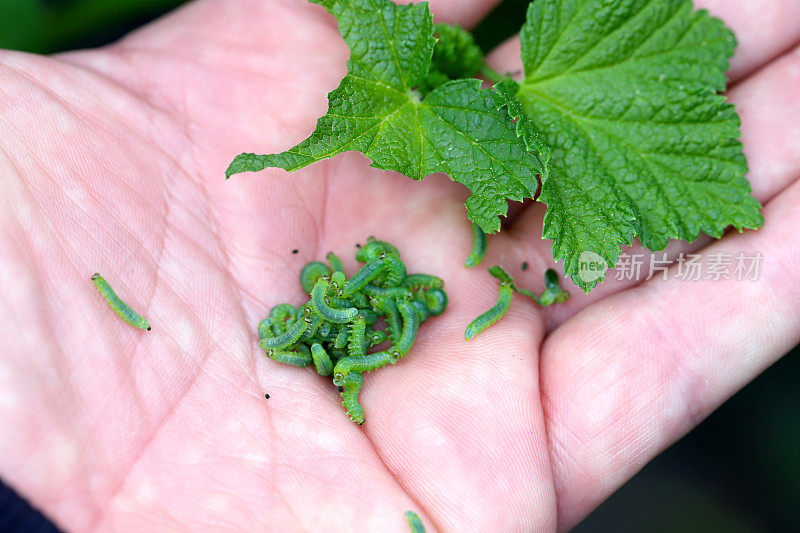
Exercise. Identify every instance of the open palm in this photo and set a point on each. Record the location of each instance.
(113, 161)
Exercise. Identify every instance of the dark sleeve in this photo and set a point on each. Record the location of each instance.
(17, 515)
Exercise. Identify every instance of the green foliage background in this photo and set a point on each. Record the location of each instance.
(738, 471)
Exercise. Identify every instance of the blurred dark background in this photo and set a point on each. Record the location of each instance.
(738, 471)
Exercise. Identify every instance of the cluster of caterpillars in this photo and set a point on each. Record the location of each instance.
(335, 330)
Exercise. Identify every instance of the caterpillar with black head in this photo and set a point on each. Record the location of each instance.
(492, 315)
(118, 305)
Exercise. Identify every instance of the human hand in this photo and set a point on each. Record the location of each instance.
(113, 161)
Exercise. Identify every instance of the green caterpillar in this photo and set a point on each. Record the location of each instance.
(415, 281)
(367, 273)
(492, 315)
(286, 338)
(414, 522)
(351, 386)
(298, 357)
(121, 308)
(336, 263)
(322, 361)
(552, 294)
(408, 335)
(318, 297)
(365, 363)
(357, 342)
(478, 247)
(436, 300)
(373, 249)
(311, 272)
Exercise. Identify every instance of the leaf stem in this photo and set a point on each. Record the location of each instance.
(491, 74)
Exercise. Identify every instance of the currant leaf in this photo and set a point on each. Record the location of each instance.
(626, 96)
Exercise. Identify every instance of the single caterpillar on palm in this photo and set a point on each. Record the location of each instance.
(118, 305)
(478, 251)
(494, 314)
(552, 294)
(414, 522)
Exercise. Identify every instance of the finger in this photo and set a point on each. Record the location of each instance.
(768, 105)
(628, 376)
(466, 13)
(460, 424)
(458, 435)
(765, 29)
(767, 102)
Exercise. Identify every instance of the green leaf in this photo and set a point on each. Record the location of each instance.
(457, 128)
(455, 56)
(506, 96)
(456, 53)
(625, 95)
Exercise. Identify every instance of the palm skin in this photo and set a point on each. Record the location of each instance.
(112, 161)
